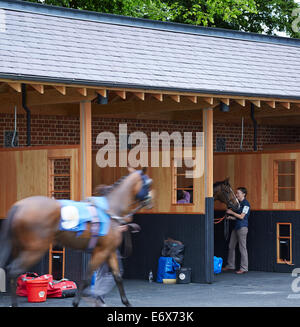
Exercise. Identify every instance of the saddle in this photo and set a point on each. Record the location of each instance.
(76, 214)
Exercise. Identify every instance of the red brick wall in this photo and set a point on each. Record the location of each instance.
(56, 130)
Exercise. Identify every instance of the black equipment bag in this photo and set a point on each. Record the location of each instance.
(174, 249)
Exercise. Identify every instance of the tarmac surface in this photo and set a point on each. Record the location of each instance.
(254, 289)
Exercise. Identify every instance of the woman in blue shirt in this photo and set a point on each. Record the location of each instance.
(239, 233)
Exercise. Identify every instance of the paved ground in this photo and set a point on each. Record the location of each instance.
(254, 289)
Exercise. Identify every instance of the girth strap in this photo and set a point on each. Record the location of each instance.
(95, 226)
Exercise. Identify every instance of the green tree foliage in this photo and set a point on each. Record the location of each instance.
(259, 16)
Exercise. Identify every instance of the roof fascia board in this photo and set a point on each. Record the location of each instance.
(87, 83)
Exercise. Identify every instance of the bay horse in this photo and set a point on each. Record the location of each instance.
(32, 224)
(224, 193)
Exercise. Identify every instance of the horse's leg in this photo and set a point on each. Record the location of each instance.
(82, 286)
(114, 266)
(21, 263)
(98, 257)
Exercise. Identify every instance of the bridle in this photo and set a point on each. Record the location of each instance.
(229, 205)
(228, 201)
(143, 198)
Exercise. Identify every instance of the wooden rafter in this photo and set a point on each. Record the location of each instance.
(175, 97)
(271, 104)
(61, 89)
(82, 91)
(286, 105)
(121, 94)
(192, 98)
(140, 95)
(225, 100)
(38, 87)
(102, 92)
(256, 103)
(157, 96)
(209, 100)
(241, 102)
(16, 86)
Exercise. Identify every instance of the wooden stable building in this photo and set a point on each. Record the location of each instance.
(67, 75)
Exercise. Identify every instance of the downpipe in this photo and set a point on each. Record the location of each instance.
(28, 114)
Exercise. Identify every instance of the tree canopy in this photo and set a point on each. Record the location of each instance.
(258, 16)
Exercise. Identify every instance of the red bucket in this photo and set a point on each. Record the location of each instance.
(37, 290)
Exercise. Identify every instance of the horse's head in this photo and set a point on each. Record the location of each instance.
(130, 190)
(142, 189)
(224, 193)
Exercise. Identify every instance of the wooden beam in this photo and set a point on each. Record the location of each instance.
(16, 86)
(157, 96)
(175, 97)
(209, 150)
(38, 87)
(226, 101)
(271, 104)
(51, 96)
(256, 103)
(149, 105)
(140, 95)
(86, 148)
(241, 102)
(286, 105)
(121, 94)
(192, 98)
(61, 89)
(82, 91)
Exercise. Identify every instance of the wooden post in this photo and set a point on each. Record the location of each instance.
(86, 148)
(208, 232)
(208, 152)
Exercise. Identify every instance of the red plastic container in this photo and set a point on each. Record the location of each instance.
(37, 290)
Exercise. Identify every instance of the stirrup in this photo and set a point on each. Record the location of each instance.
(120, 220)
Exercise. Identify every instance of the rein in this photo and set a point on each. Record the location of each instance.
(127, 233)
(219, 220)
(226, 225)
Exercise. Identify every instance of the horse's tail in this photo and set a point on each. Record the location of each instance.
(5, 238)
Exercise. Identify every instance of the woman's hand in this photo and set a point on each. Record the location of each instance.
(229, 212)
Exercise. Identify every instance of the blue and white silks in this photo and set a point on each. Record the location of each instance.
(75, 215)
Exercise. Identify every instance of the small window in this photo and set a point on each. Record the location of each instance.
(60, 178)
(183, 181)
(284, 180)
(284, 243)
